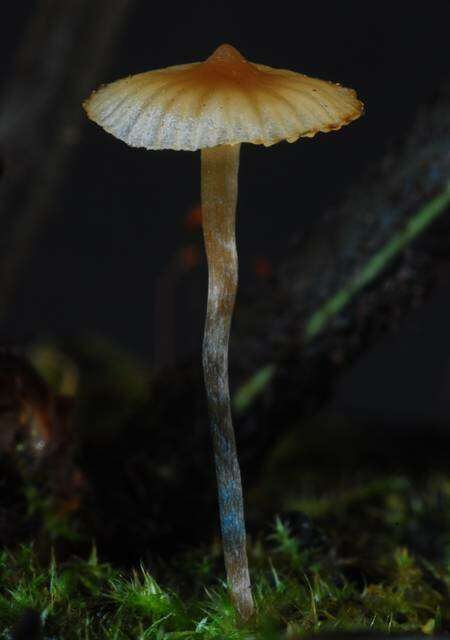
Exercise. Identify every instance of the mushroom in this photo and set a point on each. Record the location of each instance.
(214, 106)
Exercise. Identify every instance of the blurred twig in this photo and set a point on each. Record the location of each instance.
(61, 57)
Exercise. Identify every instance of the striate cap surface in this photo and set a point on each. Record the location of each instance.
(223, 100)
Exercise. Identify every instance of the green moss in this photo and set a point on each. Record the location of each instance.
(363, 577)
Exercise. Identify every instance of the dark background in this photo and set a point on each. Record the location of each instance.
(119, 224)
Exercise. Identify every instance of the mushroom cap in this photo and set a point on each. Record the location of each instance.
(223, 100)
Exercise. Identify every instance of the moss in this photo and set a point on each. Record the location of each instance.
(361, 540)
(302, 584)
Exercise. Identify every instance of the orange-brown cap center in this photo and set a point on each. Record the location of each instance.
(226, 53)
(227, 64)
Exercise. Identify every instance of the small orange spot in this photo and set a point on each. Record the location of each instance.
(189, 257)
(69, 505)
(193, 218)
(262, 267)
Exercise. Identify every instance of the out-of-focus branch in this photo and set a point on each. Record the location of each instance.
(336, 304)
(61, 57)
(321, 310)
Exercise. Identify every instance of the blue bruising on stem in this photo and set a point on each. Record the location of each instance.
(232, 521)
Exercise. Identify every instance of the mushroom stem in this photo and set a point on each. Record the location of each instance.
(219, 196)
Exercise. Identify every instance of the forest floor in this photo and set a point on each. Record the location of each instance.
(114, 535)
(374, 557)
